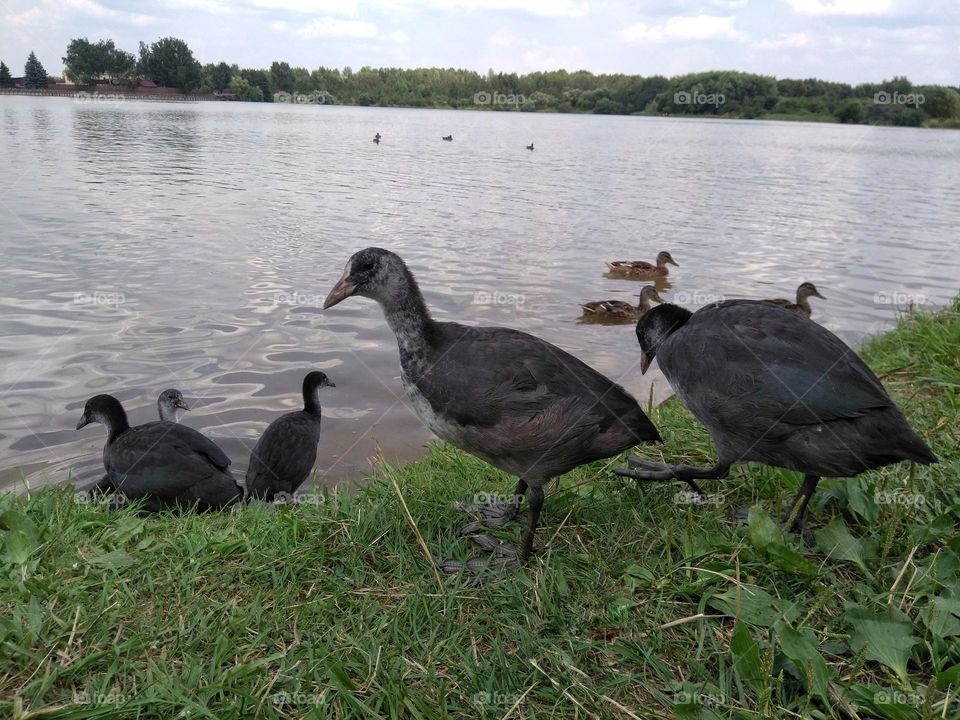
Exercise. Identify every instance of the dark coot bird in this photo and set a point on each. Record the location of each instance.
(287, 450)
(448, 138)
(530, 146)
(776, 388)
(168, 403)
(802, 305)
(376, 138)
(514, 400)
(166, 464)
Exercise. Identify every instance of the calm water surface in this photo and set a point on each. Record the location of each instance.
(150, 245)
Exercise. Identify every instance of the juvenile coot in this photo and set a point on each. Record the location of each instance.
(514, 400)
(167, 464)
(643, 270)
(802, 305)
(287, 450)
(774, 387)
(448, 138)
(168, 403)
(530, 146)
(620, 310)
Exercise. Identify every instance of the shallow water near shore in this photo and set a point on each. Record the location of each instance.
(148, 246)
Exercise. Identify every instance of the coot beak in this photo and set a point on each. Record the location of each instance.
(181, 403)
(644, 364)
(341, 291)
(331, 383)
(84, 420)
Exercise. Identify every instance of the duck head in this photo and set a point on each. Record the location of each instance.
(655, 327)
(664, 258)
(808, 289)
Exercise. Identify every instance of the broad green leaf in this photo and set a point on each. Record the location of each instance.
(837, 542)
(801, 647)
(754, 606)
(14, 521)
(18, 547)
(762, 530)
(637, 576)
(883, 703)
(113, 560)
(861, 500)
(942, 616)
(887, 637)
(746, 658)
(949, 678)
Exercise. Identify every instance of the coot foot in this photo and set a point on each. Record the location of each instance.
(650, 470)
(480, 570)
(494, 513)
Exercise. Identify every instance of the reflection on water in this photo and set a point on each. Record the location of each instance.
(149, 246)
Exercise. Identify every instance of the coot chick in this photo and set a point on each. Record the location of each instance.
(168, 402)
(167, 464)
(530, 146)
(512, 399)
(287, 450)
(802, 305)
(776, 388)
(641, 270)
(448, 138)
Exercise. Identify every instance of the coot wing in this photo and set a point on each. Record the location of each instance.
(284, 455)
(486, 376)
(770, 360)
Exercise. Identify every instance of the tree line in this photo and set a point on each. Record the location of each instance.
(170, 62)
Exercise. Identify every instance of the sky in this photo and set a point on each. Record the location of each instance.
(843, 40)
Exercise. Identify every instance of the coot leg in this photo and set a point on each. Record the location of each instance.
(687, 473)
(495, 513)
(535, 505)
(803, 499)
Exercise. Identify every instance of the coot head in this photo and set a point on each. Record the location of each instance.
(373, 273)
(169, 402)
(808, 289)
(312, 383)
(103, 409)
(664, 258)
(655, 327)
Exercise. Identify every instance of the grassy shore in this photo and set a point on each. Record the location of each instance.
(638, 604)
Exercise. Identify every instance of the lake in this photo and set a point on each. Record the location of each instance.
(190, 245)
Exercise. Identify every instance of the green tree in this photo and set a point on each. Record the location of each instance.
(260, 79)
(283, 77)
(940, 102)
(169, 62)
(218, 76)
(849, 111)
(244, 89)
(34, 76)
(5, 79)
(87, 62)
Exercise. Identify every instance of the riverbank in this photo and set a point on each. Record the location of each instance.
(639, 603)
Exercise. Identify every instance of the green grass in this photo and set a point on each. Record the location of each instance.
(635, 605)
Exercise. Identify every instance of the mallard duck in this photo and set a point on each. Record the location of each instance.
(516, 401)
(448, 138)
(640, 270)
(801, 306)
(774, 388)
(620, 310)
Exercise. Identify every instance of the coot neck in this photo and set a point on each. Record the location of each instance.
(116, 422)
(167, 413)
(409, 318)
(311, 400)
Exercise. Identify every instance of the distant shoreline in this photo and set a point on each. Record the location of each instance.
(119, 96)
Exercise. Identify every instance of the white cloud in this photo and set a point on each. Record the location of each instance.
(695, 27)
(327, 27)
(55, 11)
(399, 37)
(505, 38)
(793, 40)
(541, 8)
(311, 7)
(841, 7)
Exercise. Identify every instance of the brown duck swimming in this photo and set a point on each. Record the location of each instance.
(640, 270)
(620, 310)
(802, 305)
